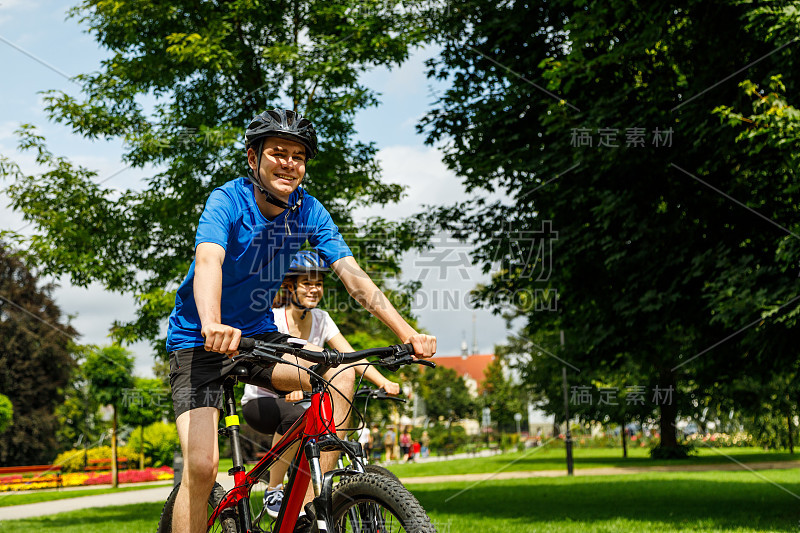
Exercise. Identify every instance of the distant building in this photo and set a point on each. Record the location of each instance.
(470, 367)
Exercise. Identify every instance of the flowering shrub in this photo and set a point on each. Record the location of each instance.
(73, 460)
(132, 476)
(75, 479)
(721, 440)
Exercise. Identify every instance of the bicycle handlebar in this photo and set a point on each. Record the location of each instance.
(392, 357)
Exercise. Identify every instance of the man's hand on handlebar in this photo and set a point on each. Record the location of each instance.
(424, 345)
(221, 338)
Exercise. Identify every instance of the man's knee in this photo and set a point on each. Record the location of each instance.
(200, 469)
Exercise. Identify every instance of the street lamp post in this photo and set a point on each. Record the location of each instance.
(568, 435)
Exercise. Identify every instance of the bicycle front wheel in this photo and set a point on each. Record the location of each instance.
(225, 523)
(381, 471)
(365, 503)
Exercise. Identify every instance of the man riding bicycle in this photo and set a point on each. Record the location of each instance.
(246, 237)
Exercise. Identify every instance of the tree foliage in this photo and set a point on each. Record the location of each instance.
(502, 395)
(675, 257)
(445, 394)
(109, 370)
(80, 421)
(181, 82)
(6, 412)
(35, 362)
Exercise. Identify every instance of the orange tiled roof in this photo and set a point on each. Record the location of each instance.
(473, 366)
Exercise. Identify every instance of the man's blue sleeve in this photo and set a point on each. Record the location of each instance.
(324, 235)
(216, 221)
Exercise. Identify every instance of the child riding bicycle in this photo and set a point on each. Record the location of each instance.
(247, 235)
(295, 312)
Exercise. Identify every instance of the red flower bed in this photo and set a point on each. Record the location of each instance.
(132, 476)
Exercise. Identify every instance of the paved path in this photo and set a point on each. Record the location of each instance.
(160, 494)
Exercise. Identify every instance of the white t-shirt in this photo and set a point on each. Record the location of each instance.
(323, 329)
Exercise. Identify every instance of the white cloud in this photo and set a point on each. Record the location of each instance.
(428, 182)
(95, 310)
(447, 274)
(22, 5)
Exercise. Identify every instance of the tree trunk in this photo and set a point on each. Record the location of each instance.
(624, 440)
(669, 409)
(114, 471)
(789, 421)
(141, 448)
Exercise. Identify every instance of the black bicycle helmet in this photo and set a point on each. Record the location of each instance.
(284, 124)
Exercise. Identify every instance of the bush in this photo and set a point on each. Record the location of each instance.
(508, 441)
(74, 460)
(446, 441)
(160, 443)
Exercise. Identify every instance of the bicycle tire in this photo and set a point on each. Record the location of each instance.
(228, 522)
(380, 503)
(381, 471)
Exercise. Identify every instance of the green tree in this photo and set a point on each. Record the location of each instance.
(653, 267)
(6, 412)
(500, 394)
(35, 362)
(109, 371)
(80, 421)
(445, 394)
(147, 402)
(209, 69)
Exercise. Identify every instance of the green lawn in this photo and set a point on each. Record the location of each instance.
(704, 501)
(663, 501)
(545, 458)
(20, 498)
(551, 458)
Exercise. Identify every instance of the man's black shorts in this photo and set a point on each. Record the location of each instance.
(196, 376)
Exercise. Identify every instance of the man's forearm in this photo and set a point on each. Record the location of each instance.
(208, 291)
(373, 300)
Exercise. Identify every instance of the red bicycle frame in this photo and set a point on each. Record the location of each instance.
(316, 422)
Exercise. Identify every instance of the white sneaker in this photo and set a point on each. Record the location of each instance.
(273, 498)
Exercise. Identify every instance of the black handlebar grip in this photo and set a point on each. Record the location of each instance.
(247, 343)
(409, 348)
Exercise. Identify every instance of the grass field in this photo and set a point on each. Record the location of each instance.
(21, 498)
(704, 501)
(551, 458)
(664, 501)
(545, 458)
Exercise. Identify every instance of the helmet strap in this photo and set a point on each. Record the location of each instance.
(300, 306)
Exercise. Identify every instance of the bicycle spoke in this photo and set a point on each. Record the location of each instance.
(368, 517)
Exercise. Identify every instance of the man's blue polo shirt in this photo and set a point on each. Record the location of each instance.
(257, 255)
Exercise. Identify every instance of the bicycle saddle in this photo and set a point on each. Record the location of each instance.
(251, 373)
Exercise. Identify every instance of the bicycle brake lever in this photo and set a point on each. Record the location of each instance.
(425, 362)
(393, 362)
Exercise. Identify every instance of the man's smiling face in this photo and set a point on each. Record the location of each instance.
(283, 165)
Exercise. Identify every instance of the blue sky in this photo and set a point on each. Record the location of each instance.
(40, 48)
